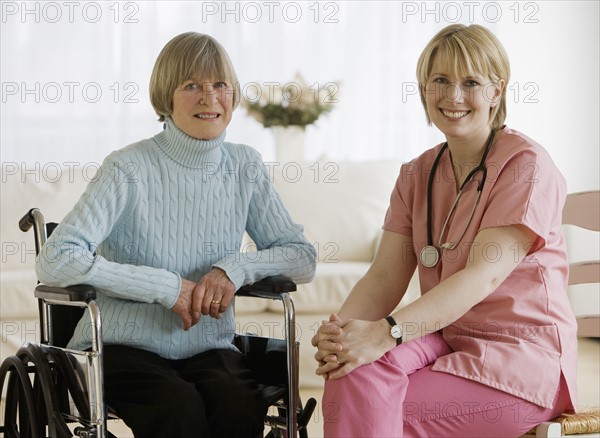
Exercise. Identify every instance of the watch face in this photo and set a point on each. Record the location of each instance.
(396, 331)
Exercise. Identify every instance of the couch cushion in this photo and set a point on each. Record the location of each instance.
(14, 334)
(341, 205)
(328, 290)
(16, 295)
(52, 188)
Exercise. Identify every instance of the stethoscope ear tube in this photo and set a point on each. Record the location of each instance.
(430, 254)
(430, 196)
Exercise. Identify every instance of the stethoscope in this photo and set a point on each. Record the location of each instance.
(430, 255)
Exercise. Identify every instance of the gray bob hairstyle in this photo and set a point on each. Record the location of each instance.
(188, 55)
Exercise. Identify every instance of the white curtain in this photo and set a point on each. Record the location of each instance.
(75, 74)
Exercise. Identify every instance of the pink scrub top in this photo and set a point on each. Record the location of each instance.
(523, 335)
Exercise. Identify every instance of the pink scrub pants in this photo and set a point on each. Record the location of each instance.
(400, 396)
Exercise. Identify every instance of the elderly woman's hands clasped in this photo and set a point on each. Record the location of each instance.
(210, 296)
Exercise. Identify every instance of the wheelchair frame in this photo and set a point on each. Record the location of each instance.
(83, 296)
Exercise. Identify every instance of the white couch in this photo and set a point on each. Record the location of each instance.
(340, 204)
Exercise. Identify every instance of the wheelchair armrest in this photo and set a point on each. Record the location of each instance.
(77, 293)
(270, 287)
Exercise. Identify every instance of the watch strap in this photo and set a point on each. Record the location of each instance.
(392, 322)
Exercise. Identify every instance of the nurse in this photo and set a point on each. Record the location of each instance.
(489, 348)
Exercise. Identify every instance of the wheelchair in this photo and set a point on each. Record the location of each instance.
(49, 387)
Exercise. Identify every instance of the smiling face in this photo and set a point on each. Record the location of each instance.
(194, 82)
(459, 103)
(463, 53)
(203, 108)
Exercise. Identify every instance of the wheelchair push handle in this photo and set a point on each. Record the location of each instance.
(27, 221)
(35, 218)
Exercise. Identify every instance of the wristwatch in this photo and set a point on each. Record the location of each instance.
(395, 330)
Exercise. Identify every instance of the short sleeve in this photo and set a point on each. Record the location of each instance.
(528, 190)
(398, 217)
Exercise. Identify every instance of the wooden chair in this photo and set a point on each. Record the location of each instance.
(581, 210)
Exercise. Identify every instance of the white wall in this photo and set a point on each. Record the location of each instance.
(371, 47)
(555, 64)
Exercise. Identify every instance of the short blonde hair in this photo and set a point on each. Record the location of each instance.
(470, 49)
(185, 56)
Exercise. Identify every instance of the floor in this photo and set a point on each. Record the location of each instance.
(588, 383)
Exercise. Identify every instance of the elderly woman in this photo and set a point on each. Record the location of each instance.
(158, 232)
(489, 349)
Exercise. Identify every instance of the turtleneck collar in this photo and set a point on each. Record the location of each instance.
(186, 150)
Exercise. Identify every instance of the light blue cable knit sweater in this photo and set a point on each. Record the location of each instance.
(167, 208)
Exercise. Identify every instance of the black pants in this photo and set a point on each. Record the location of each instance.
(209, 395)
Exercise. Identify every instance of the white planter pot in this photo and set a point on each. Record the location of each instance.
(289, 143)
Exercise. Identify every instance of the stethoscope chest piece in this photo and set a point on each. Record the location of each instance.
(430, 256)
